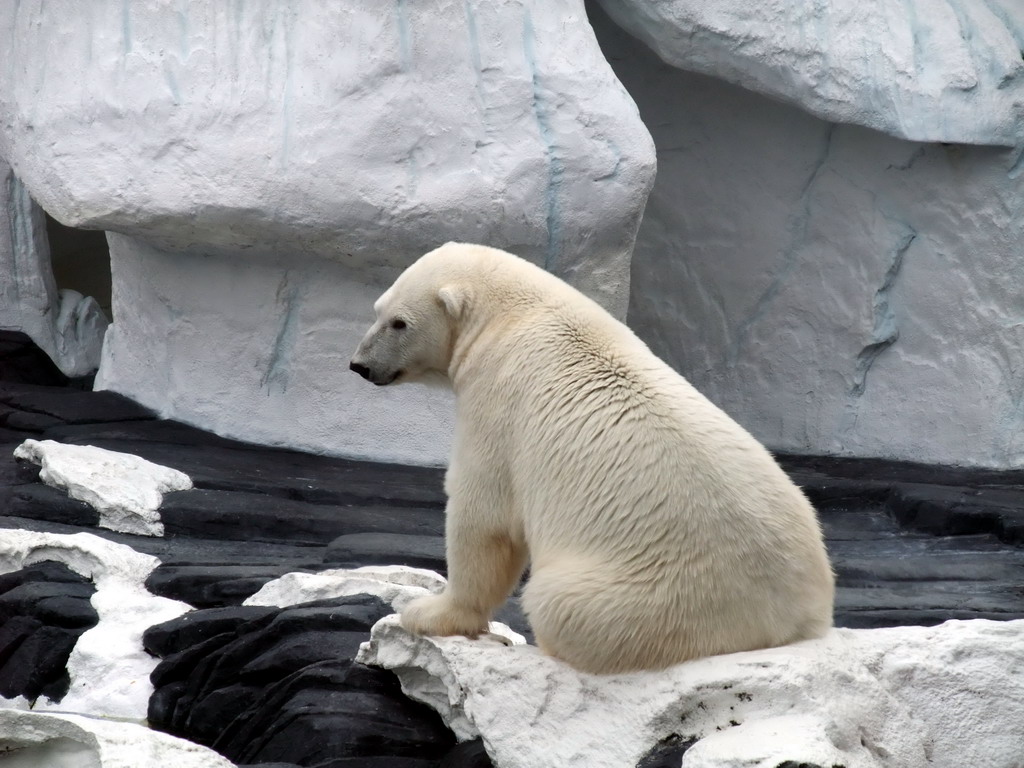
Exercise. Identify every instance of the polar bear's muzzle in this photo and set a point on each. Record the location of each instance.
(376, 378)
(361, 369)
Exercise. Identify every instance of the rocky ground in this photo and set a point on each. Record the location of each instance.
(277, 686)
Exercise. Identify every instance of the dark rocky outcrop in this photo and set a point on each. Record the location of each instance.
(22, 361)
(43, 610)
(265, 684)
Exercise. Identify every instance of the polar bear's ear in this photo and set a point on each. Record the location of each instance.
(454, 298)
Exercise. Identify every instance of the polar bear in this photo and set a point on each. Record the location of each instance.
(656, 529)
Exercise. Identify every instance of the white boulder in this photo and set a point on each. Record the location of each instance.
(125, 489)
(835, 290)
(397, 585)
(67, 326)
(394, 584)
(915, 69)
(38, 740)
(907, 697)
(261, 353)
(364, 132)
(109, 669)
(264, 172)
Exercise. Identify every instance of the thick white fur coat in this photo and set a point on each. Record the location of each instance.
(656, 529)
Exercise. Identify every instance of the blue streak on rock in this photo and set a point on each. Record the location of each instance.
(16, 223)
(884, 333)
(475, 59)
(1016, 32)
(474, 38)
(404, 37)
(172, 83)
(543, 111)
(798, 235)
(183, 29)
(287, 96)
(284, 342)
(126, 26)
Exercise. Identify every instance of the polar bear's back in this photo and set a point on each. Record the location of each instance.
(614, 422)
(654, 522)
(625, 475)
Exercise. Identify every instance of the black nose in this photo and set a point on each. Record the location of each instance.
(362, 370)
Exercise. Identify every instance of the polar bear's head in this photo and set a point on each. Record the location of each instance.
(417, 320)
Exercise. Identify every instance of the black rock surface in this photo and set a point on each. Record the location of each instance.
(265, 685)
(468, 754)
(415, 551)
(44, 607)
(22, 361)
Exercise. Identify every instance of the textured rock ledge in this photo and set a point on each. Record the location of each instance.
(108, 668)
(342, 130)
(950, 72)
(37, 740)
(68, 325)
(44, 609)
(126, 490)
(835, 290)
(906, 697)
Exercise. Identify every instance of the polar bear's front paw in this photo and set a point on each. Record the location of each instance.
(437, 615)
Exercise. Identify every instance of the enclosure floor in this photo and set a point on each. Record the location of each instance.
(910, 544)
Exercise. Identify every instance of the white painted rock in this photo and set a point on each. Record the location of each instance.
(108, 667)
(325, 146)
(125, 489)
(277, 372)
(835, 290)
(67, 326)
(38, 740)
(908, 697)
(916, 69)
(394, 584)
(361, 131)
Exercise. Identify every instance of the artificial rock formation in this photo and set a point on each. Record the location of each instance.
(906, 697)
(69, 327)
(44, 609)
(34, 739)
(262, 685)
(910, 68)
(269, 167)
(835, 290)
(126, 490)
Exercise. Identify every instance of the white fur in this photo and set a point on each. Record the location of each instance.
(656, 529)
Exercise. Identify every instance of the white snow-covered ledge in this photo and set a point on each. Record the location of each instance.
(125, 489)
(38, 740)
(907, 697)
(109, 669)
(394, 584)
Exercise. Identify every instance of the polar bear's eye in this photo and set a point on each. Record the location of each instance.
(398, 324)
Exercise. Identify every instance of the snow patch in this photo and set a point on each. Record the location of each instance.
(108, 667)
(35, 740)
(394, 584)
(126, 490)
